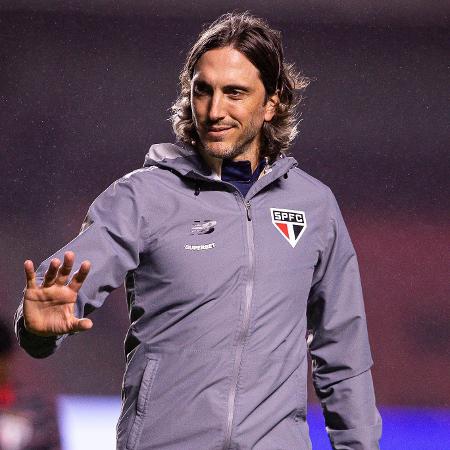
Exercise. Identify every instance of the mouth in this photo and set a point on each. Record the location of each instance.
(218, 131)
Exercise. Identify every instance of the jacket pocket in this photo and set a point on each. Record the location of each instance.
(142, 402)
(299, 415)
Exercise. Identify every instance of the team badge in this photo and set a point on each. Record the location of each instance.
(291, 224)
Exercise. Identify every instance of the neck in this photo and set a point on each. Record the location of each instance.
(215, 164)
(253, 157)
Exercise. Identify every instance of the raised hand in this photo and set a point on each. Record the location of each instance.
(48, 309)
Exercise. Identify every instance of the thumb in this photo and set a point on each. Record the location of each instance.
(82, 325)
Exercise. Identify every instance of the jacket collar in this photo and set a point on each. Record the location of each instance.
(186, 161)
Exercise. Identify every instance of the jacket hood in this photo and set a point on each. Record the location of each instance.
(186, 161)
(182, 159)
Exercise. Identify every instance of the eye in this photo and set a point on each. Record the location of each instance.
(235, 93)
(200, 89)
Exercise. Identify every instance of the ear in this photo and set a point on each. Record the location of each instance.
(271, 107)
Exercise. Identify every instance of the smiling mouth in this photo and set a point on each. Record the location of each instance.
(218, 131)
(219, 128)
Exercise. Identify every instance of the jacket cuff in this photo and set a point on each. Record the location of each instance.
(361, 438)
(36, 346)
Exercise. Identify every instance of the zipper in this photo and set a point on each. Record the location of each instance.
(245, 324)
(249, 213)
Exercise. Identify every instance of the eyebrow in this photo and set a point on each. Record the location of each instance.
(226, 88)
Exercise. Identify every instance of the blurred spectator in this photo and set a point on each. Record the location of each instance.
(27, 420)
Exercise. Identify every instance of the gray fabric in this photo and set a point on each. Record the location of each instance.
(216, 349)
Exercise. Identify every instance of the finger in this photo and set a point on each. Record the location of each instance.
(50, 274)
(82, 325)
(65, 269)
(78, 277)
(30, 274)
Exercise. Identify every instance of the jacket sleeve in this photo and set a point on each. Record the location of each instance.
(339, 345)
(111, 238)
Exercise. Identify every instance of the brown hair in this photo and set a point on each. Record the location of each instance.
(254, 38)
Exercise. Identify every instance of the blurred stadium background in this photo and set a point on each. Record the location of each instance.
(85, 89)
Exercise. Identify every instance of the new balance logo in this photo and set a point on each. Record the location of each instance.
(203, 227)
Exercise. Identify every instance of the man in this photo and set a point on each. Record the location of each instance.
(230, 254)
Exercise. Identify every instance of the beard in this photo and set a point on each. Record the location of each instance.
(224, 149)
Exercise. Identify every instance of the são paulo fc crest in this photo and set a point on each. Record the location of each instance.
(291, 224)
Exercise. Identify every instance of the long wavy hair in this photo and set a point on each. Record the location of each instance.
(262, 45)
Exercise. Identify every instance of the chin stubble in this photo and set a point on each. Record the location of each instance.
(232, 151)
(225, 153)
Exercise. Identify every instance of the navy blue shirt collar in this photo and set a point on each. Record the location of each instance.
(239, 174)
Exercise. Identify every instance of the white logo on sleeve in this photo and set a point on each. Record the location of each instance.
(291, 224)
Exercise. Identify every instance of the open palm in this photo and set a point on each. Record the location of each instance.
(48, 309)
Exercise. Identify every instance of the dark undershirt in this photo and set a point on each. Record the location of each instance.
(239, 174)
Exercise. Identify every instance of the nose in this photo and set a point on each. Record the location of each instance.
(216, 109)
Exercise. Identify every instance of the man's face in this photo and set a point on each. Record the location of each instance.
(228, 104)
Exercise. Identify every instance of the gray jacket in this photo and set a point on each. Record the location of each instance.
(226, 295)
